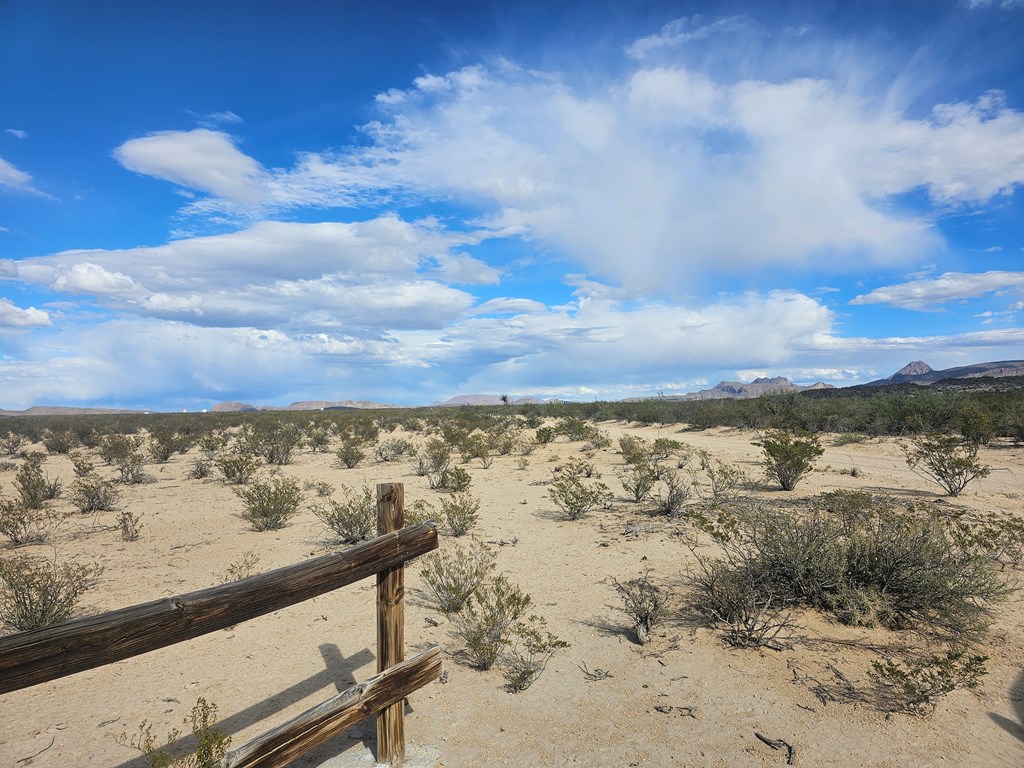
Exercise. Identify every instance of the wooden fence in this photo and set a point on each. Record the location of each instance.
(34, 657)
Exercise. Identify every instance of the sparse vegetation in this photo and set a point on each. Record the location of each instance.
(352, 519)
(459, 513)
(93, 494)
(210, 744)
(486, 621)
(36, 592)
(950, 461)
(643, 602)
(788, 456)
(453, 573)
(269, 504)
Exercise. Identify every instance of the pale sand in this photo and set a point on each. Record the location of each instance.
(266, 670)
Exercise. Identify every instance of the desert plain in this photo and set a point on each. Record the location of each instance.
(685, 698)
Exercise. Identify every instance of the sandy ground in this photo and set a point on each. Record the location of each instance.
(684, 699)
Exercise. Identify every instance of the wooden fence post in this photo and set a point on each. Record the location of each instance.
(391, 624)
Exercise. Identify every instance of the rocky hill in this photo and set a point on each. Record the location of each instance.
(736, 390)
(919, 372)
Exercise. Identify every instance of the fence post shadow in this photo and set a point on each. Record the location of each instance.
(1016, 694)
(338, 671)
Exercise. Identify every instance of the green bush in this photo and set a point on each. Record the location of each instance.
(11, 444)
(391, 449)
(237, 467)
(129, 525)
(788, 456)
(638, 481)
(575, 497)
(274, 441)
(452, 574)
(486, 621)
(530, 651)
(36, 593)
(351, 520)
(269, 504)
(948, 460)
(59, 441)
(22, 525)
(459, 513)
(93, 494)
(643, 602)
(350, 453)
(211, 745)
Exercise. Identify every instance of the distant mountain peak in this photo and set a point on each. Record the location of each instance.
(916, 368)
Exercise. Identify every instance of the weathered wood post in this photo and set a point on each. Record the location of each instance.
(391, 624)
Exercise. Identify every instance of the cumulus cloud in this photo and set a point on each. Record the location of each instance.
(930, 293)
(201, 159)
(13, 316)
(374, 274)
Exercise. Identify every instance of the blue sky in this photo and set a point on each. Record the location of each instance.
(402, 202)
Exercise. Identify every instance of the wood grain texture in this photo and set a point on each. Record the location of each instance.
(323, 722)
(390, 624)
(37, 656)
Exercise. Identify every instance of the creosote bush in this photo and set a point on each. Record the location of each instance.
(93, 494)
(270, 503)
(211, 744)
(459, 513)
(486, 621)
(643, 602)
(238, 467)
(950, 461)
(788, 456)
(530, 651)
(36, 592)
(22, 525)
(575, 497)
(129, 525)
(453, 573)
(352, 519)
(865, 561)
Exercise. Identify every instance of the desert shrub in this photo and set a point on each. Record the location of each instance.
(36, 592)
(474, 446)
(643, 602)
(164, 443)
(352, 519)
(275, 442)
(391, 449)
(743, 602)
(459, 513)
(724, 481)
(237, 467)
(454, 479)
(633, 449)
(129, 525)
(59, 441)
(321, 488)
(211, 744)
(546, 435)
(884, 566)
(93, 494)
(915, 685)
(212, 443)
(11, 444)
(991, 535)
(33, 486)
(242, 568)
(574, 429)
(529, 653)
(270, 503)
(486, 621)
(350, 452)
(83, 467)
(575, 497)
(22, 525)
(452, 574)
(318, 436)
(674, 494)
(419, 511)
(200, 468)
(948, 460)
(638, 481)
(788, 456)
(113, 447)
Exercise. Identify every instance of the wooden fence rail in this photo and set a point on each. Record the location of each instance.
(37, 656)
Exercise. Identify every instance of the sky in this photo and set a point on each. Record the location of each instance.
(402, 202)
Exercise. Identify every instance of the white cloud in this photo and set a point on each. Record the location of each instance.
(1005, 4)
(685, 30)
(12, 316)
(374, 274)
(952, 286)
(15, 178)
(201, 159)
(16, 133)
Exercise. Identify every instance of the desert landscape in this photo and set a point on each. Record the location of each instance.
(686, 697)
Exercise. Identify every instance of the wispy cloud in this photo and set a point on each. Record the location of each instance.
(215, 119)
(15, 178)
(931, 293)
(16, 133)
(684, 30)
